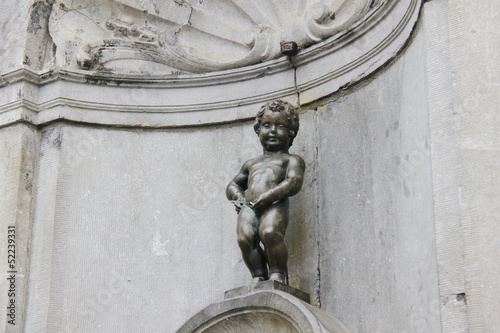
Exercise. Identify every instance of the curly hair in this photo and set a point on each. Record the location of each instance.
(284, 107)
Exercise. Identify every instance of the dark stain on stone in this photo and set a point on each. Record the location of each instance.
(39, 15)
(461, 297)
(47, 75)
(29, 181)
(57, 141)
(96, 81)
(406, 190)
(27, 60)
(395, 126)
(53, 136)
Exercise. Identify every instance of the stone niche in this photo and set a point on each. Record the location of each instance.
(129, 119)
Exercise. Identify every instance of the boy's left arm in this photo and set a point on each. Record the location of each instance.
(287, 188)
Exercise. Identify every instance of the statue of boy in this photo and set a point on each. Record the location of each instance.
(261, 189)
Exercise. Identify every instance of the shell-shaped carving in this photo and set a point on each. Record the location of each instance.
(192, 35)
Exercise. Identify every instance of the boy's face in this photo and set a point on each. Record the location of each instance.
(274, 133)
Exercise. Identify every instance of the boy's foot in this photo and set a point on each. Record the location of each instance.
(277, 277)
(257, 279)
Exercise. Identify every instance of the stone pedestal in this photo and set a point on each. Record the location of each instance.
(263, 307)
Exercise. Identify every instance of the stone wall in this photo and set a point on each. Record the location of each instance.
(18, 168)
(461, 44)
(376, 232)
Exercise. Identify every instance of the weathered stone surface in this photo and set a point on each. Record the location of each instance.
(13, 23)
(376, 238)
(194, 36)
(26, 42)
(124, 243)
(463, 71)
(18, 151)
(263, 311)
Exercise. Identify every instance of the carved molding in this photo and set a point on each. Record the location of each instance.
(182, 99)
(192, 35)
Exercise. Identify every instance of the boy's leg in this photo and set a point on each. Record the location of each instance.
(248, 240)
(273, 224)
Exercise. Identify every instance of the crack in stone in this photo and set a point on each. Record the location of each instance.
(297, 91)
(317, 287)
(188, 21)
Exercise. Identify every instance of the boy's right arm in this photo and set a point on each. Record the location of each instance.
(237, 187)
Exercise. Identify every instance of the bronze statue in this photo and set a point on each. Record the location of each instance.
(261, 189)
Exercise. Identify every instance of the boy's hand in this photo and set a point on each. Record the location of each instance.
(264, 201)
(240, 203)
